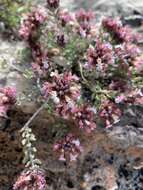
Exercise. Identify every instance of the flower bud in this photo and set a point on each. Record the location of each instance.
(53, 3)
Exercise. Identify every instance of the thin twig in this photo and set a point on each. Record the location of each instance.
(11, 64)
(81, 73)
(34, 115)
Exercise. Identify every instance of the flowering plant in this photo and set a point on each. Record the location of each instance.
(84, 71)
(7, 99)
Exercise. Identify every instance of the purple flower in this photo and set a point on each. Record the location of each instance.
(9, 93)
(101, 56)
(53, 3)
(84, 16)
(132, 97)
(119, 84)
(40, 15)
(127, 51)
(7, 99)
(109, 113)
(120, 98)
(31, 22)
(69, 148)
(118, 31)
(84, 19)
(65, 17)
(63, 88)
(61, 40)
(25, 31)
(64, 109)
(84, 117)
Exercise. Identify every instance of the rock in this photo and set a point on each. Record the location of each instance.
(112, 8)
(126, 136)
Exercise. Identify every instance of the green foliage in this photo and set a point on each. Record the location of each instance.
(11, 12)
(74, 48)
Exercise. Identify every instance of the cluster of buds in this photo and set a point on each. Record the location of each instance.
(127, 51)
(119, 32)
(84, 117)
(101, 56)
(109, 113)
(65, 17)
(69, 148)
(31, 22)
(7, 99)
(28, 31)
(61, 41)
(105, 56)
(32, 179)
(63, 90)
(119, 84)
(53, 3)
(128, 57)
(84, 18)
(132, 50)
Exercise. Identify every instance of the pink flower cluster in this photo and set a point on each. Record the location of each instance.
(69, 148)
(33, 179)
(53, 3)
(112, 57)
(31, 22)
(127, 55)
(119, 32)
(127, 51)
(84, 19)
(119, 84)
(84, 116)
(133, 97)
(63, 89)
(109, 113)
(64, 92)
(65, 17)
(7, 99)
(101, 56)
(84, 16)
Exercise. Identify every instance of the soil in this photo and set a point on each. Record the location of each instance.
(107, 163)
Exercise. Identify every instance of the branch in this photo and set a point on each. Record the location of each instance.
(34, 115)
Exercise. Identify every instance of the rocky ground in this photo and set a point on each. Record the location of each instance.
(112, 159)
